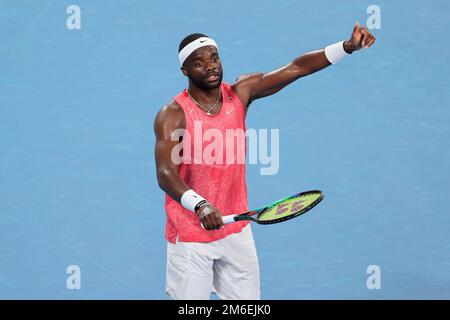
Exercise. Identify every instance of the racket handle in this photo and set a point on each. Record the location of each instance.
(228, 219)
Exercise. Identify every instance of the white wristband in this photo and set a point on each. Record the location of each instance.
(335, 52)
(190, 199)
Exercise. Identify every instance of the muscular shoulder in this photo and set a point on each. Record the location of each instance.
(170, 117)
(244, 86)
(172, 109)
(246, 79)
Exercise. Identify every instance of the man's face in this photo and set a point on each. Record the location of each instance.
(204, 69)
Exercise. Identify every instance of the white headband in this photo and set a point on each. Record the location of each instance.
(194, 45)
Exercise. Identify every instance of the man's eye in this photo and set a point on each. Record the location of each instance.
(197, 64)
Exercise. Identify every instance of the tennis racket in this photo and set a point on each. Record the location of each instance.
(281, 210)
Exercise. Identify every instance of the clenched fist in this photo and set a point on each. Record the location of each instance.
(361, 38)
(210, 217)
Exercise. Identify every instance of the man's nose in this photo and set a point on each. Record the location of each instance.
(210, 66)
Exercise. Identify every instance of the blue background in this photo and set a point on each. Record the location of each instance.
(77, 171)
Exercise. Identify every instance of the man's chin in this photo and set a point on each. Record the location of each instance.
(213, 84)
(208, 85)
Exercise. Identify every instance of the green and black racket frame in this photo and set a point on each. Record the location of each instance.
(281, 210)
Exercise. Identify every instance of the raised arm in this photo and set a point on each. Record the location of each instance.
(258, 85)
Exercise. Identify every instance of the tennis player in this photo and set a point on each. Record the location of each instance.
(203, 254)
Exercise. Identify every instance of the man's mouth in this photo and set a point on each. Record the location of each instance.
(212, 77)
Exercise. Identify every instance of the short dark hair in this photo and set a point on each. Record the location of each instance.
(188, 39)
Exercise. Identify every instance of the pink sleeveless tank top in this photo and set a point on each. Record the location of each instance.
(213, 165)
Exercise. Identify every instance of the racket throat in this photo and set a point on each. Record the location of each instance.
(229, 219)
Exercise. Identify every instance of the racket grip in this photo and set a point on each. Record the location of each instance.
(228, 219)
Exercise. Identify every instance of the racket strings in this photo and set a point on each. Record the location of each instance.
(290, 207)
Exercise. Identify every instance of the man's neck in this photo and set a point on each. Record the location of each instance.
(205, 96)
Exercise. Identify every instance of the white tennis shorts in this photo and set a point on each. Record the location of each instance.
(228, 267)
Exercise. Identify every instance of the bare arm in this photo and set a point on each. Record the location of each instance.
(169, 119)
(258, 85)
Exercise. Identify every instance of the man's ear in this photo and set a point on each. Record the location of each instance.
(183, 69)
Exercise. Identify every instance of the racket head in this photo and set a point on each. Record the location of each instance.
(289, 207)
